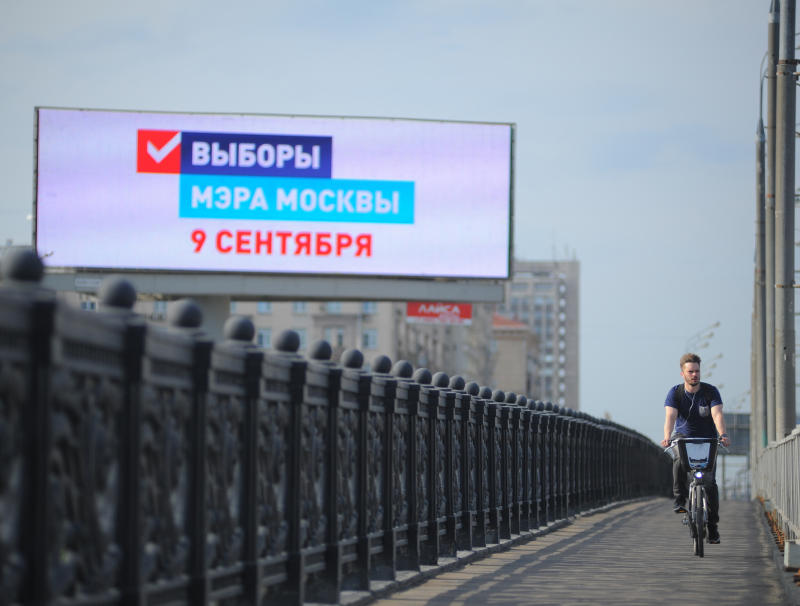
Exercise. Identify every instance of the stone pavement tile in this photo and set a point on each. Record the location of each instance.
(638, 553)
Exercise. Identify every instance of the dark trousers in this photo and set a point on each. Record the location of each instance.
(680, 488)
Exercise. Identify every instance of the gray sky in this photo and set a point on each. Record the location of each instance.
(635, 134)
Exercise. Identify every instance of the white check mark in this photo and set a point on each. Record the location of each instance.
(159, 154)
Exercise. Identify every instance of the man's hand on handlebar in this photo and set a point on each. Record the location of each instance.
(725, 440)
(665, 442)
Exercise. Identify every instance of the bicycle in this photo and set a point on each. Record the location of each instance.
(698, 456)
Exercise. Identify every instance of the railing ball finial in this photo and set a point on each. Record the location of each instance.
(472, 388)
(498, 395)
(287, 341)
(403, 369)
(457, 383)
(511, 398)
(352, 358)
(320, 350)
(423, 376)
(522, 400)
(23, 265)
(382, 364)
(116, 291)
(185, 313)
(485, 392)
(239, 328)
(441, 379)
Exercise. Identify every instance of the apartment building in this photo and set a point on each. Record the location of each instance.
(545, 296)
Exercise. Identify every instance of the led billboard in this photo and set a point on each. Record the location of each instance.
(273, 194)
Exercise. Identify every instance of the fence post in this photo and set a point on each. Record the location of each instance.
(252, 375)
(534, 469)
(446, 472)
(464, 462)
(382, 429)
(522, 501)
(281, 571)
(26, 326)
(406, 511)
(322, 385)
(427, 461)
(352, 465)
(120, 295)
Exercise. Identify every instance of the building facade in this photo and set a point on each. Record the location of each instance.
(528, 344)
(545, 296)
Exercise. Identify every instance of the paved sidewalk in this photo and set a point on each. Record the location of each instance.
(639, 553)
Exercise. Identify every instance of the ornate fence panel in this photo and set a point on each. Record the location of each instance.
(83, 458)
(230, 451)
(278, 558)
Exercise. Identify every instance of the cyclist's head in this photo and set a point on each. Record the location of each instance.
(689, 357)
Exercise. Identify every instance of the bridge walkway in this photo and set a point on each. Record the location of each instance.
(638, 553)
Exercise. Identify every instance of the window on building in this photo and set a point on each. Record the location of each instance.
(264, 338)
(369, 338)
(264, 307)
(543, 286)
(301, 332)
(232, 307)
(519, 287)
(369, 307)
(300, 307)
(159, 310)
(334, 335)
(333, 307)
(89, 305)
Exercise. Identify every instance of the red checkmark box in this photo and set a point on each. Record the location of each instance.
(158, 151)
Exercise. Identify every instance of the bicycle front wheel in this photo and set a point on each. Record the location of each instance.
(699, 520)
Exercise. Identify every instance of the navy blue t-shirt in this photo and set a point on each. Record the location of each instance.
(694, 411)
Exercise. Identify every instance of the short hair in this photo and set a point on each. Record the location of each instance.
(690, 357)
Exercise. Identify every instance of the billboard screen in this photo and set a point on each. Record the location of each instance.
(273, 194)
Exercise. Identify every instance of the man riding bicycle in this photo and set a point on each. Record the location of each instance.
(694, 410)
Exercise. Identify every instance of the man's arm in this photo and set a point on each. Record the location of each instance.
(719, 422)
(669, 424)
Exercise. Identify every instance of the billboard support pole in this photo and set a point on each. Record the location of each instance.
(216, 311)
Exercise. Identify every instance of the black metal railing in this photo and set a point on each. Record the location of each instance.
(141, 465)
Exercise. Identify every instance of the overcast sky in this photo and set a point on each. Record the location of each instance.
(635, 121)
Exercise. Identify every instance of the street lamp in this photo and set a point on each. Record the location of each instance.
(700, 336)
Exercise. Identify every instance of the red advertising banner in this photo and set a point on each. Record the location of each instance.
(439, 313)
